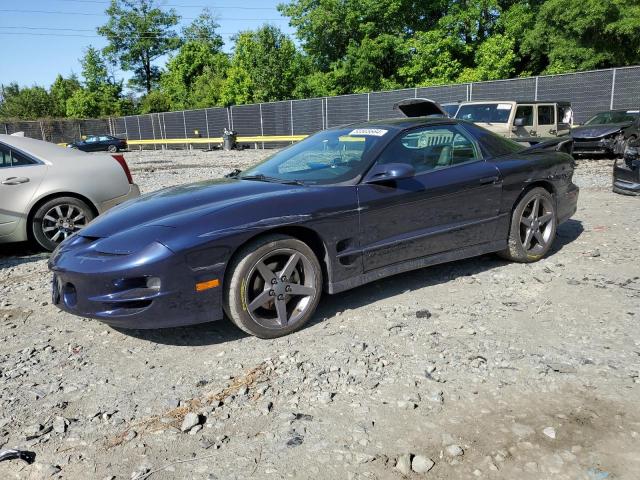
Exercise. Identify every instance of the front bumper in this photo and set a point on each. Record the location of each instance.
(154, 288)
(626, 179)
(593, 147)
(134, 192)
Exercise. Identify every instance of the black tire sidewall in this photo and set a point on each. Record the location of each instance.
(36, 221)
(520, 253)
(243, 262)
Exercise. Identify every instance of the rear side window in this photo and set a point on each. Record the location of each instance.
(5, 157)
(11, 158)
(546, 115)
(525, 112)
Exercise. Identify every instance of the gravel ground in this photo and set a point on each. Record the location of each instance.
(474, 369)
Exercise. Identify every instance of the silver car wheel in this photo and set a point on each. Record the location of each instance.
(280, 287)
(537, 225)
(61, 221)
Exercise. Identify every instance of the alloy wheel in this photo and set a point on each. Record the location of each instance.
(280, 288)
(61, 221)
(537, 225)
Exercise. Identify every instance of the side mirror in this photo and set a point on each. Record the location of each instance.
(518, 122)
(389, 172)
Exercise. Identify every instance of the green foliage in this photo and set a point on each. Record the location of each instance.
(155, 102)
(264, 67)
(25, 103)
(62, 90)
(138, 33)
(345, 46)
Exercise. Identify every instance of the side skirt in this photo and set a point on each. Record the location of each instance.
(415, 264)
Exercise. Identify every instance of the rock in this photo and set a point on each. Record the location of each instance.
(47, 470)
(562, 367)
(422, 464)
(454, 451)
(550, 432)
(191, 419)
(521, 430)
(403, 464)
(325, 397)
(436, 397)
(60, 425)
(423, 314)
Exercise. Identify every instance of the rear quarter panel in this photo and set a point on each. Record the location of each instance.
(98, 178)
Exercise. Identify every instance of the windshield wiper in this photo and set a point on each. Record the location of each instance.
(234, 173)
(264, 178)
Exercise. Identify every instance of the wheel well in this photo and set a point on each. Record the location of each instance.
(304, 234)
(539, 183)
(51, 196)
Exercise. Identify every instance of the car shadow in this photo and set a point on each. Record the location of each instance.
(13, 254)
(224, 331)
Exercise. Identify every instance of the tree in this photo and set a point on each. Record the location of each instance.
(572, 36)
(155, 102)
(101, 94)
(62, 90)
(204, 29)
(196, 74)
(138, 33)
(495, 58)
(264, 67)
(28, 103)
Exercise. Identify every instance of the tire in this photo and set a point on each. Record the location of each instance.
(112, 149)
(57, 219)
(531, 236)
(272, 312)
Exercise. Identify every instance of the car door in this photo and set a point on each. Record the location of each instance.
(20, 177)
(451, 202)
(91, 144)
(527, 128)
(546, 121)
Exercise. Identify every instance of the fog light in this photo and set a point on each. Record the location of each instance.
(153, 283)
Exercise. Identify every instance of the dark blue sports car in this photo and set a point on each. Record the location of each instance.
(342, 208)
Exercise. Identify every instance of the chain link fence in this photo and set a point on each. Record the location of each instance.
(589, 93)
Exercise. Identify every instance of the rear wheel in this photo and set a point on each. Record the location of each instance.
(113, 148)
(273, 286)
(533, 227)
(57, 219)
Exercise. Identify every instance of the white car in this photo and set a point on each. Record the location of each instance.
(47, 192)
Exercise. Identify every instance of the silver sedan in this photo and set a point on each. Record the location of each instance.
(47, 192)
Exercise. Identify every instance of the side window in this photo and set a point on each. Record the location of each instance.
(431, 148)
(526, 112)
(104, 139)
(19, 160)
(91, 139)
(5, 157)
(546, 115)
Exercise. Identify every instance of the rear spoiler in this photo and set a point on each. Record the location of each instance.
(560, 144)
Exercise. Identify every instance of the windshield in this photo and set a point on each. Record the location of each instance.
(485, 112)
(328, 157)
(612, 117)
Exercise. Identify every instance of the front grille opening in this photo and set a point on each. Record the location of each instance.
(69, 295)
(132, 305)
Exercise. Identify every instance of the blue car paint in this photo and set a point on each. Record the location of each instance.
(361, 231)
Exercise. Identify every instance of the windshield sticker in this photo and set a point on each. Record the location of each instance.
(504, 106)
(374, 132)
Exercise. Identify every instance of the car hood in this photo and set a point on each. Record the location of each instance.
(173, 206)
(597, 131)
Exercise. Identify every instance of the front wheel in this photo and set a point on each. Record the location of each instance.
(533, 227)
(57, 219)
(273, 286)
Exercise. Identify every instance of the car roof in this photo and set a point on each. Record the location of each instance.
(401, 123)
(534, 102)
(46, 151)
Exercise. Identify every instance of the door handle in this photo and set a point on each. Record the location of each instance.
(486, 180)
(15, 180)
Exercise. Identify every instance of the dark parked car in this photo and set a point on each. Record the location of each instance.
(342, 208)
(626, 172)
(607, 133)
(100, 143)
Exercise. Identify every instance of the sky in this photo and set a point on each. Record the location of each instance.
(41, 38)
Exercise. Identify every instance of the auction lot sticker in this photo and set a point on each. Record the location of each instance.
(374, 132)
